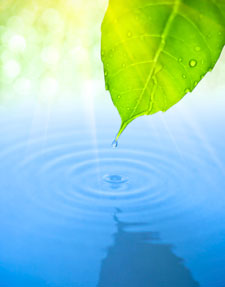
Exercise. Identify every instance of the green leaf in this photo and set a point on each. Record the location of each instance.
(156, 51)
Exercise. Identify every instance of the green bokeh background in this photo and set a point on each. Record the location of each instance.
(49, 49)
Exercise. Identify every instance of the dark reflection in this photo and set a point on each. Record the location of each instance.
(137, 260)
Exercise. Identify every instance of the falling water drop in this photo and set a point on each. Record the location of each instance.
(115, 144)
(129, 34)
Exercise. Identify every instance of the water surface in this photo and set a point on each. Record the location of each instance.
(75, 212)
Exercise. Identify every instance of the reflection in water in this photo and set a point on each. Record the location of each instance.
(135, 260)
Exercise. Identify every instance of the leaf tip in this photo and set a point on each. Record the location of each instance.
(122, 128)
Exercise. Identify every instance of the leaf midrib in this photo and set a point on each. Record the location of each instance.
(158, 52)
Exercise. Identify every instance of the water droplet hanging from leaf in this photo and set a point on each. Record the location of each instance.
(115, 144)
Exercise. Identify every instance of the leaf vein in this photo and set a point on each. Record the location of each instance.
(198, 30)
(161, 46)
(128, 66)
(175, 59)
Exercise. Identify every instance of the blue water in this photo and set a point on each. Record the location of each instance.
(74, 212)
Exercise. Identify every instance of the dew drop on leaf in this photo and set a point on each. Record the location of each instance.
(197, 48)
(193, 63)
(184, 76)
(180, 60)
(129, 34)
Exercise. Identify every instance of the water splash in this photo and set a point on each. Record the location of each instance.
(115, 179)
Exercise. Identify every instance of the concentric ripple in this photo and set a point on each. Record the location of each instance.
(67, 175)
